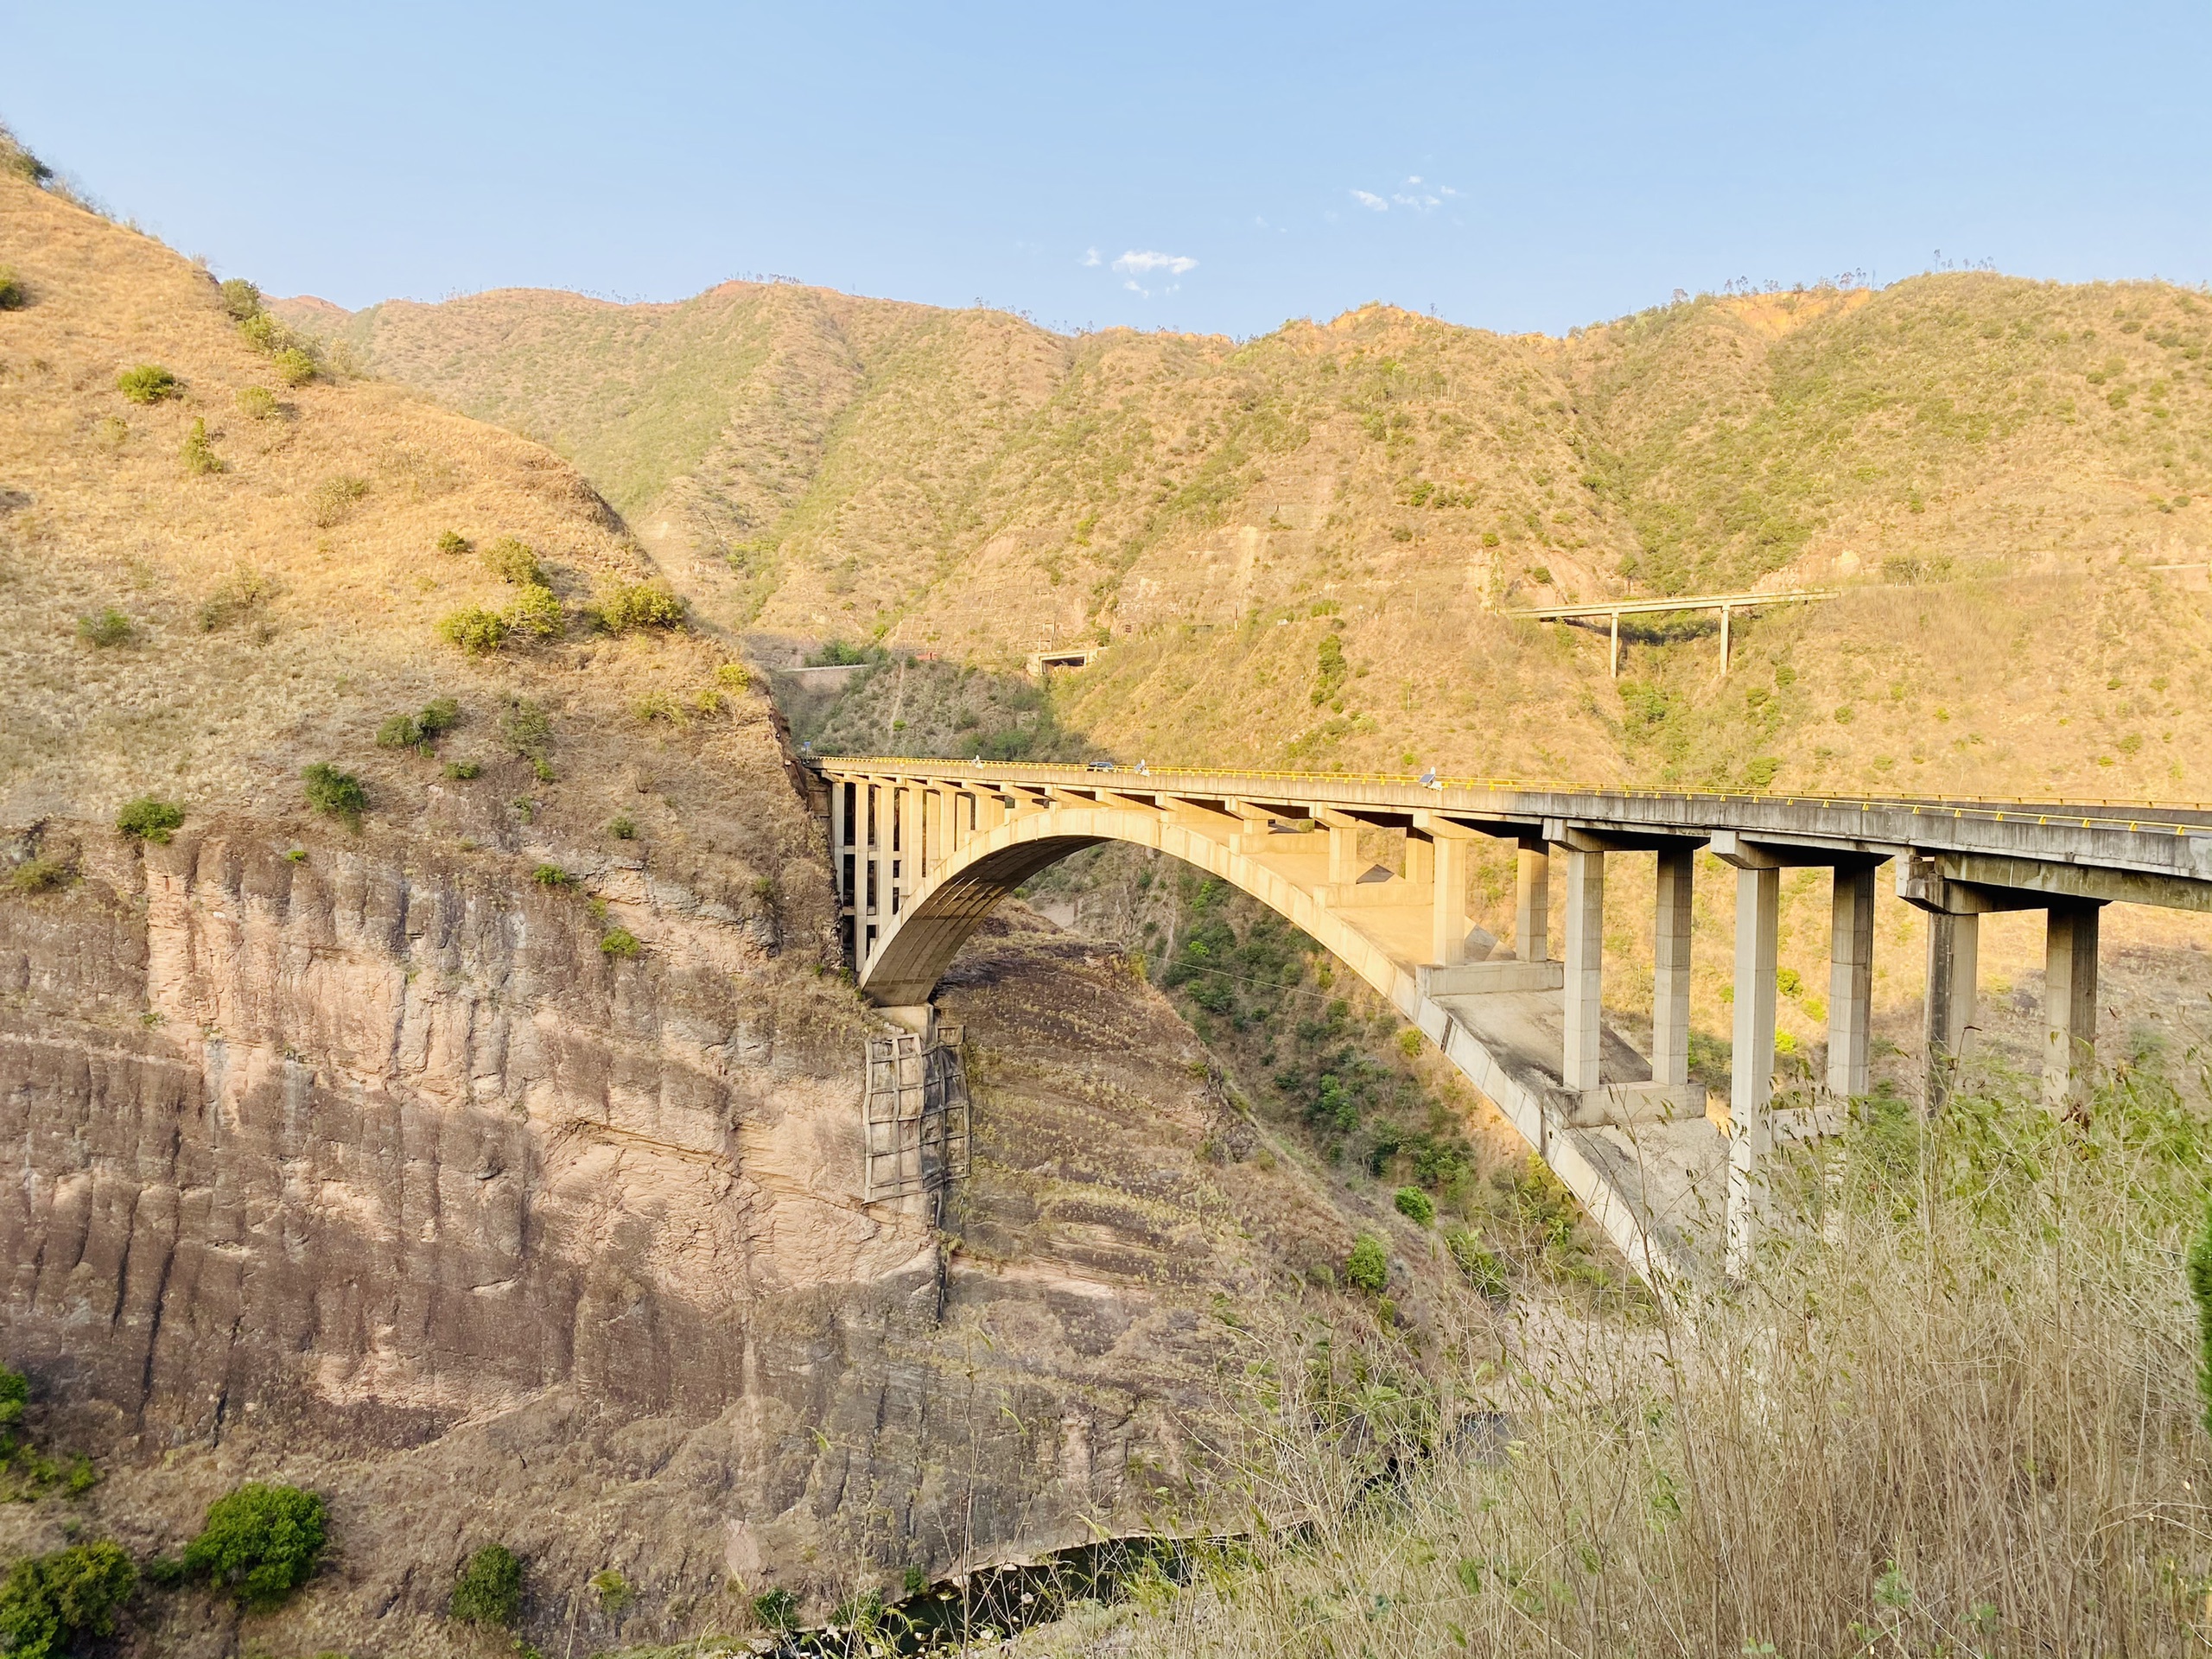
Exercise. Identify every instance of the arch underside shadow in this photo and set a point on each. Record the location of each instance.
(954, 900)
(929, 933)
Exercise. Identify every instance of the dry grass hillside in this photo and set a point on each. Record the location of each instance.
(277, 610)
(2013, 479)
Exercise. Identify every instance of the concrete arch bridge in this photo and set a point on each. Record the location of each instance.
(923, 850)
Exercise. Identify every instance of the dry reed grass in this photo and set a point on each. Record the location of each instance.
(1959, 1418)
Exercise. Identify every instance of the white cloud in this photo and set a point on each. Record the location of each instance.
(1134, 263)
(1369, 200)
(1089, 256)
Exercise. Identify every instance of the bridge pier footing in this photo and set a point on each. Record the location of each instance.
(920, 1018)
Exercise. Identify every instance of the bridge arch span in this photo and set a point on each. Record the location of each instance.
(935, 920)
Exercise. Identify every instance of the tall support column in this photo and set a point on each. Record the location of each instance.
(990, 810)
(1532, 902)
(1343, 848)
(1851, 980)
(1615, 661)
(1670, 953)
(1420, 860)
(1758, 902)
(1448, 932)
(878, 919)
(901, 821)
(1585, 953)
(2069, 1004)
(948, 836)
(1724, 620)
(1953, 949)
(841, 867)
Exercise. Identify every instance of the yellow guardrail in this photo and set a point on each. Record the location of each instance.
(1990, 807)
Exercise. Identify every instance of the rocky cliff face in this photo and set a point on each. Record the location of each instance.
(369, 1167)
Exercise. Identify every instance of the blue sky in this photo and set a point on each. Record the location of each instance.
(1212, 167)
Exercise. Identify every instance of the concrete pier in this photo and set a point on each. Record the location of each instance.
(1532, 901)
(2069, 1001)
(1586, 959)
(1750, 1065)
(1670, 954)
(1954, 953)
(1851, 980)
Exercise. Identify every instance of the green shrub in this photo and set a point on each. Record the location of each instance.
(198, 455)
(463, 771)
(334, 499)
(110, 627)
(475, 630)
(775, 1609)
(256, 402)
(489, 1589)
(150, 819)
(513, 561)
(12, 296)
(1332, 671)
(612, 1590)
(525, 727)
(1414, 1205)
(14, 1398)
(640, 605)
(295, 365)
(620, 941)
(536, 610)
(340, 794)
(658, 705)
(1367, 1266)
(149, 383)
(400, 731)
(238, 594)
(733, 677)
(240, 298)
(552, 876)
(622, 829)
(259, 1543)
(48, 1603)
(1485, 1270)
(421, 729)
(40, 875)
(453, 541)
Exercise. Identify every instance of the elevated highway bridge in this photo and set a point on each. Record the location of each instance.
(925, 849)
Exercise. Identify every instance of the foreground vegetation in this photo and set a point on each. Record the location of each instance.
(1957, 1413)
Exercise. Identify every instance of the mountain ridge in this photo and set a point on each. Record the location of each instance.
(1204, 510)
